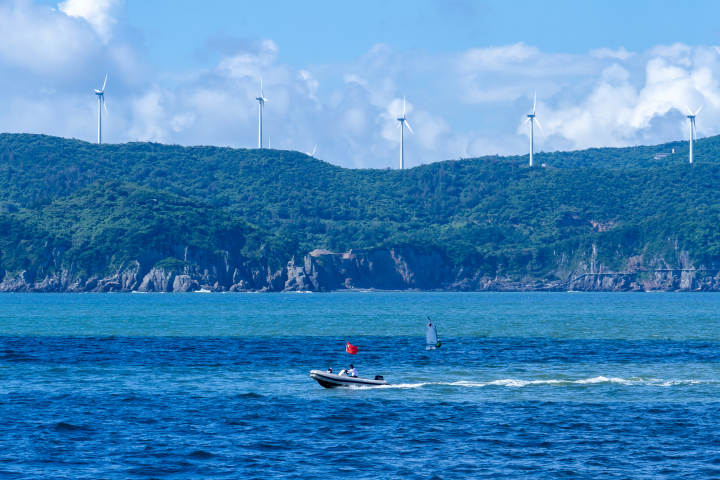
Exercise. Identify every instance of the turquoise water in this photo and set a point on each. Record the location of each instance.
(537, 385)
(622, 316)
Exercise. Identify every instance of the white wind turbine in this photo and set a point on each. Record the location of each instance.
(261, 103)
(314, 150)
(101, 104)
(402, 124)
(691, 116)
(531, 119)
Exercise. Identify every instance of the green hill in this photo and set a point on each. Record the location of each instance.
(78, 216)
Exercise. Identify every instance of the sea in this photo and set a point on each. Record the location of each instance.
(525, 385)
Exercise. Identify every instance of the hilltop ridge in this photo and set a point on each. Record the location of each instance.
(76, 216)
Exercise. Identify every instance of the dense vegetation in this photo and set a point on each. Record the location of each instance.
(68, 202)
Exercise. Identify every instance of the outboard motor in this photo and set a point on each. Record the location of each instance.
(379, 377)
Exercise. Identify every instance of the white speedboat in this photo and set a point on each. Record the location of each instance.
(332, 380)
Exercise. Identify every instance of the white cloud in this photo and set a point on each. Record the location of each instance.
(498, 58)
(150, 117)
(311, 83)
(507, 73)
(614, 112)
(354, 122)
(182, 121)
(430, 130)
(618, 54)
(100, 14)
(40, 40)
(250, 63)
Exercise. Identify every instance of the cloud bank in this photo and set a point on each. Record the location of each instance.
(460, 104)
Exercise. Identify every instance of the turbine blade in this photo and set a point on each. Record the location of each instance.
(698, 110)
(527, 119)
(407, 124)
(313, 151)
(534, 102)
(104, 83)
(538, 124)
(104, 105)
(403, 106)
(688, 110)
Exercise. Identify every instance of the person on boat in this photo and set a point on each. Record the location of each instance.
(351, 371)
(330, 370)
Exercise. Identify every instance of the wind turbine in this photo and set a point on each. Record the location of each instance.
(312, 154)
(531, 119)
(402, 124)
(261, 103)
(101, 104)
(691, 116)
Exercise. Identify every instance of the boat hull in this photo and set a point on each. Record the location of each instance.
(330, 380)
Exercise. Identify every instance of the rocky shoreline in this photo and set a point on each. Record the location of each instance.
(379, 269)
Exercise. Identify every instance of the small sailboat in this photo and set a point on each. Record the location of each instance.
(431, 336)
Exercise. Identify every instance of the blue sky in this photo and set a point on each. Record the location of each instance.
(321, 32)
(606, 73)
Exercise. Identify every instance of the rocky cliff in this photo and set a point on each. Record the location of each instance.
(380, 269)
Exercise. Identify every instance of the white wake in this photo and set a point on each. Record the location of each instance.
(519, 383)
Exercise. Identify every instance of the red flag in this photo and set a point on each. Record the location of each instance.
(350, 348)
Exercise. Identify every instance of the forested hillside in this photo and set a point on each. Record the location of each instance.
(78, 216)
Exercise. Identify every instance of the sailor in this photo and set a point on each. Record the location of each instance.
(351, 371)
(330, 370)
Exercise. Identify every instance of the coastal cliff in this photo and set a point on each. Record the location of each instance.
(78, 217)
(393, 269)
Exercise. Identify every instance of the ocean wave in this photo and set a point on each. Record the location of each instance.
(519, 383)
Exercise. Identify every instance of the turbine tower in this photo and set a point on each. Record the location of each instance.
(402, 124)
(261, 103)
(101, 104)
(531, 119)
(691, 116)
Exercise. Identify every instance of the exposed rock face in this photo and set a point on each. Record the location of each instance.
(184, 283)
(157, 280)
(381, 269)
(387, 269)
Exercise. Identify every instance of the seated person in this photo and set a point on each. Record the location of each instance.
(351, 371)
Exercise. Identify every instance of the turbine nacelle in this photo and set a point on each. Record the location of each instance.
(532, 121)
(402, 123)
(261, 98)
(403, 120)
(691, 116)
(261, 104)
(100, 92)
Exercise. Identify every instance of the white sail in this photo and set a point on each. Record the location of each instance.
(431, 338)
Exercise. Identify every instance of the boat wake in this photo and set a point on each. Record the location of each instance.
(517, 383)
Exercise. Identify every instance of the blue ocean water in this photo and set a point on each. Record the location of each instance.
(539, 385)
